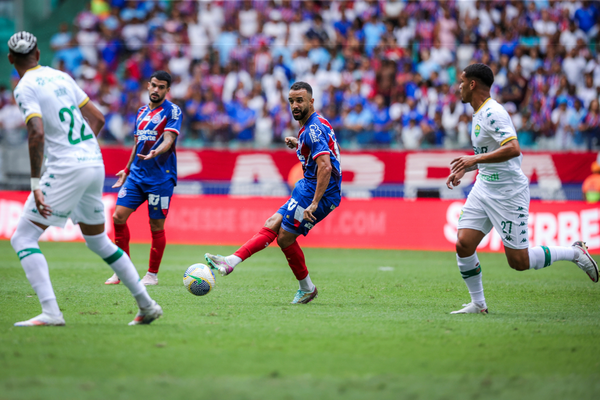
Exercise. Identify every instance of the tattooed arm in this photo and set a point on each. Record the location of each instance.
(35, 132)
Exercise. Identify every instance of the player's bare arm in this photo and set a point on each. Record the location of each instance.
(122, 174)
(323, 177)
(506, 152)
(291, 142)
(169, 139)
(35, 134)
(93, 116)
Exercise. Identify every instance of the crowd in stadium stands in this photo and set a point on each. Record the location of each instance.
(383, 72)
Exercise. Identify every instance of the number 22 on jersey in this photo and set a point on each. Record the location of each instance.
(82, 135)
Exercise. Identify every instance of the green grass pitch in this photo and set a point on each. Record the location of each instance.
(373, 333)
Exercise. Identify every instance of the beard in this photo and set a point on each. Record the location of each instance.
(300, 116)
(158, 99)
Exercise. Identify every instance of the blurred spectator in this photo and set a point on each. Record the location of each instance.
(398, 59)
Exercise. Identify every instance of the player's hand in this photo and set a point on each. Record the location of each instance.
(308, 212)
(148, 156)
(43, 208)
(122, 177)
(291, 142)
(462, 163)
(454, 179)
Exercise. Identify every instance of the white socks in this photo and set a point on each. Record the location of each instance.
(120, 263)
(471, 272)
(25, 243)
(543, 256)
(233, 260)
(306, 284)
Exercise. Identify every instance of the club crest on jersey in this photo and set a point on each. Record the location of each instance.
(156, 118)
(122, 192)
(477, 130)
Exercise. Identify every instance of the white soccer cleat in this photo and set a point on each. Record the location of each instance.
(113, 280)
(149, 279)
(585, 260)
(146, 315)
(219, 263)
(43, 320)
(471, 308)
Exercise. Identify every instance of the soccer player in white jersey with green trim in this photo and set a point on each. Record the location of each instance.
(500, 196)
(62, 125)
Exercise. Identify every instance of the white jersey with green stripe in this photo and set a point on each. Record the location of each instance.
(492, 128)
(52, 95)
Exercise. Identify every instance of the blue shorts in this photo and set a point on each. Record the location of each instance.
(293, 210)
(133, 194)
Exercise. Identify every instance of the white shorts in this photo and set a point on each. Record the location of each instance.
(509, 216)
(75, 194)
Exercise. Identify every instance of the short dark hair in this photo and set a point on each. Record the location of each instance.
(162, 76)
(302, 85)
(481, 72)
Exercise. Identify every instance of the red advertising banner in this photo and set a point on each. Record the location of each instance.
(364, 169)
(425, 224)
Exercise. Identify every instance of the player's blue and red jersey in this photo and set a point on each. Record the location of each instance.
(317, 138)
(150, 125)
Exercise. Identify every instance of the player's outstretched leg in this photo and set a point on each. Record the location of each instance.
(122, 240)
(258, 242)
(544, 256)
(295, 257)
(120, 262)
(25, 243)
(470, 270)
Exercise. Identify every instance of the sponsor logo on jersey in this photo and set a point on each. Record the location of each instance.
(508, 238)
(521, 216)
(523, 232)
(308, 225)
(523, 240)
(492, 122)
(491, 177)
(146, 134)
(60, 92)
(477, 130)
(522, 223)
(176, 113)
(314, 132)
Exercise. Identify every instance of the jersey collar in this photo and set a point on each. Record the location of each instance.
(482, 104)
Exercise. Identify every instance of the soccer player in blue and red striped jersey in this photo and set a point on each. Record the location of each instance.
(151, 173)
(313, 198)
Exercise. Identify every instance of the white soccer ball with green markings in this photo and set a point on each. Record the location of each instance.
(199, 279)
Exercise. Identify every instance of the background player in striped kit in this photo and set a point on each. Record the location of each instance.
(151, 173)
(62, 125)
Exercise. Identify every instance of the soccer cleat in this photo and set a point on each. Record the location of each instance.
(43, 320)
(113, 280)
(471, 308)
(303, 297)
(146, 315)
(585, 260)
(149, 279)
(219, 263)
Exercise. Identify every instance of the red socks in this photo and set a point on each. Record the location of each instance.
(159, 242)
(295, 258)
(258, 242)
(122, 237)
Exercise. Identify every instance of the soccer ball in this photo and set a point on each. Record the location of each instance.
(199, 279)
